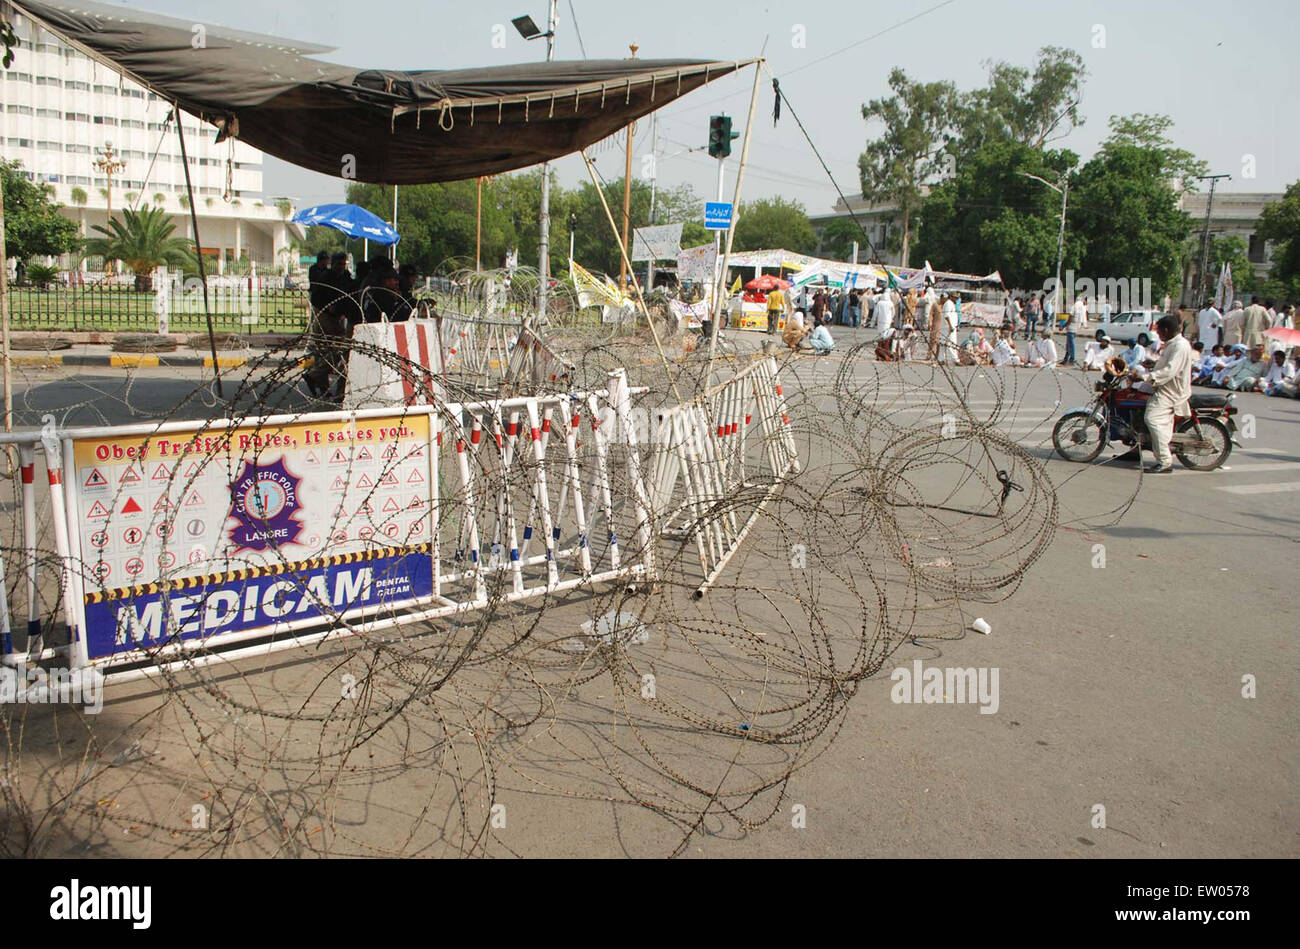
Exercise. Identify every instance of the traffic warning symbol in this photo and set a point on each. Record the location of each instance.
(130, 475)
(365, 454)
(96, 479)
(365, 482)
(313, 458)
(340, 457)
(193, 470)
(131, 507)
(415, 477)
(162, 473)
(338, 484)
(388, 478)
(98, 510)
(390, 505)
(389, 452)
(194, 500)
(164, 503)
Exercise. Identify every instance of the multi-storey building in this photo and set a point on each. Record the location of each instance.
(59, 110)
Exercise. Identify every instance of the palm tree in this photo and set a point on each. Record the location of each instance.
(79, 196)
(142, 240)
(159, 198)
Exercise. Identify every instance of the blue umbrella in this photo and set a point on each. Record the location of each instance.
(351, 220)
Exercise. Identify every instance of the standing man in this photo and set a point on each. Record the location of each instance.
(885, 318)
(934, 320)
(1033, 310)
(1171, 380)
(951, 319)
(777, 307)
(1077, 320)
(1254, 321)
(1209, 326)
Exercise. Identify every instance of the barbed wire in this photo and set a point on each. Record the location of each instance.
(524, 725)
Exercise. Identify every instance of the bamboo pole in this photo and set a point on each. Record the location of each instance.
(636, 284)
(735, 206)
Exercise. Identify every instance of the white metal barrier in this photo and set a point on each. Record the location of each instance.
(410, 362)
(734, 437)
(192, 542)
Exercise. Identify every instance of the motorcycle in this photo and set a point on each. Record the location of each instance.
(1202, 441)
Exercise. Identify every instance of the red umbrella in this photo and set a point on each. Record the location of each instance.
(1284, 335)
(768, 282)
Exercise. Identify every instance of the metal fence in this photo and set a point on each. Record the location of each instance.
(104, 307)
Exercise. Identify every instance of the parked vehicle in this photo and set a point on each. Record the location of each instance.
(1202, 441)
(1131, 325)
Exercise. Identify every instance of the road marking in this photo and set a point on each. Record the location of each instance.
(1262, 467)
(1277, 487)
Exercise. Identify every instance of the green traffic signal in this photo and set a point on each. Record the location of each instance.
(720, 136)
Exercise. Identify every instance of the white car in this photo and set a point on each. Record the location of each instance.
(1131, 325)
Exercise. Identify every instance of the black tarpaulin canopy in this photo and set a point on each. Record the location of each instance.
(398, 127)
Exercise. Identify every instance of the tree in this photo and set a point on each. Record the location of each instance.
(918, 120)
(773, 223)
(79, 196)
(1144, 131)
(1224, 249)
(991, 216)
(33, 224)
(1127, 211)
(8, 39)
(143, 241)
(838, 237)
(1280, 224)
(1019, 106)
(318, 239)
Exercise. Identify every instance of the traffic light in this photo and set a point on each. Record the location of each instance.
(720, 136)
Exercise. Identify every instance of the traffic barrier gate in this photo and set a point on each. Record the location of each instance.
(707, 452)
(186, 543)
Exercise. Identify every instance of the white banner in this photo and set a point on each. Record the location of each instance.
(662, 242)
(695, 264)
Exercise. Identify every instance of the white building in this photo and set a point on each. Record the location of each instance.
(59, 109)
(1234, 214)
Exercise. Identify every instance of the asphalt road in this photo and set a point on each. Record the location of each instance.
(1120, 686)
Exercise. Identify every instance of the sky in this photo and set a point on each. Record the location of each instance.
(1227, 75)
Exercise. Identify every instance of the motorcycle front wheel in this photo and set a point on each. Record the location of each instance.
(1079, 437)
(1216, 451)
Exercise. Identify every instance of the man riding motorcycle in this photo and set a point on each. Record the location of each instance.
(1170, 383)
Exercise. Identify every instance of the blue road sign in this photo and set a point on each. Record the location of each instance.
(717, 215)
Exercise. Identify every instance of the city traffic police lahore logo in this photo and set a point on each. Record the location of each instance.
(264, 502)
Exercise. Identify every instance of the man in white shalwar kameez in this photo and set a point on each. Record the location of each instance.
(1097, 353)
(1042, 351)
(1208, 324)
(1172, 380)
(1004, 353)
(948, 324)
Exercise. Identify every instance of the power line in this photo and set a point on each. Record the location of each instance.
(573, 16)
(821, 59)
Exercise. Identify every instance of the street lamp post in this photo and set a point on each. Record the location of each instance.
(529, 31)
(110, 165)
(1064, 191)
